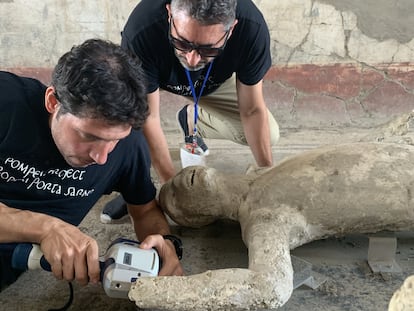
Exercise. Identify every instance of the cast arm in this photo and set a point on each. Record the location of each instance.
(71, 253)
(254, 117)
(160, 155)
(267, 283)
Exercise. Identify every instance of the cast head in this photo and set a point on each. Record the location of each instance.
(199, 195)
(187, 197)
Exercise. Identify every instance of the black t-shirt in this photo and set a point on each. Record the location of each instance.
(33, 174)
(247, 52)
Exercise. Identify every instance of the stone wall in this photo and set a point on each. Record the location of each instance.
(335, 62)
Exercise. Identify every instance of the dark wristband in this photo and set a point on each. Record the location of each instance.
(177, 244)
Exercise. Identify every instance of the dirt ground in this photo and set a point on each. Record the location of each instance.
(341, 262)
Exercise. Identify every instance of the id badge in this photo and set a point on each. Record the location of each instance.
(191, 156)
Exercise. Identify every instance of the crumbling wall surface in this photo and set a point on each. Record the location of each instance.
(335, 62)
(302, 31)
(340, 62)
(34, 34)
(337, 31)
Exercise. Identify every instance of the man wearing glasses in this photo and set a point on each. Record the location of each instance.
(215, 53)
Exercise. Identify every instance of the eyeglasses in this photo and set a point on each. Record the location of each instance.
(202, 50)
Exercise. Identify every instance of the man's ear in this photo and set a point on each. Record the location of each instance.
(51, 102)
(168, 7)
(232, 27)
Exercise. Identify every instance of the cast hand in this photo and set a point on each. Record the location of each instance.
(255, 171)
(166, 250)
(71, 254)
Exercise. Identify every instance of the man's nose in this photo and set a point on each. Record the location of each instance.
(100, 151)
(193, 58)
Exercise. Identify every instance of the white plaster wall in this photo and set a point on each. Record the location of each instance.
(35, 33)
(311, 32)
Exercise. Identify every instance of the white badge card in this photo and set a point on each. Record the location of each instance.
(188, 158)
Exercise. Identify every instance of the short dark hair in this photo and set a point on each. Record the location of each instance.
(208, 12)
(98, 79)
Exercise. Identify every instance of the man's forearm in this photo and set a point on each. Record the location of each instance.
(160, 155)
(23, 226)
(70, 253)
(253, 114)
(148, 219)
(256, 128)
(149, 223)
(161, 161)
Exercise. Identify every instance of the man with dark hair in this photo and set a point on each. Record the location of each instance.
(62, 147)
(214, 53)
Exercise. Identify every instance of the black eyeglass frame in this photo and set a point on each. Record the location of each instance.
(203, 50)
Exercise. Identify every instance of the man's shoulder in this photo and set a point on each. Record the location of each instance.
(251, 22)
(14, 78)
(247, 9)
(11, 84)
(146, 14)
(20, 94)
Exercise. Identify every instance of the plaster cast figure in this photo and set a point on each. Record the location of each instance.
(328, 191)
(403, 298)
(393, 131)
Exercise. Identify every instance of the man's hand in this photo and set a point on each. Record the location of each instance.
(166, 250)
(71, 254)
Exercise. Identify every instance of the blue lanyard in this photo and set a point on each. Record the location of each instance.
(197, 98)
